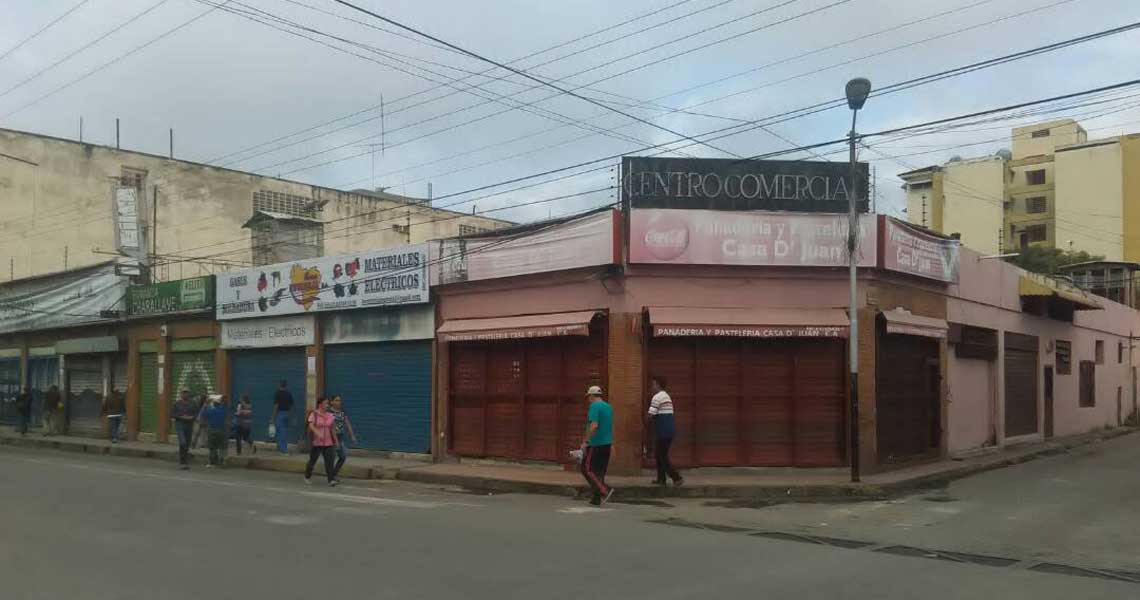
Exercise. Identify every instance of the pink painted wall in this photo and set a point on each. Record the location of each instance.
(987, 296)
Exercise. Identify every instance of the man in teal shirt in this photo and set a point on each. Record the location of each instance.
(596, 448)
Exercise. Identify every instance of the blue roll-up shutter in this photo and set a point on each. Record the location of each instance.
(387, 392)
(258, 372)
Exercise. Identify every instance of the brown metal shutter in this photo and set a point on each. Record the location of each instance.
(1020, 384)
(523, 399)
(753, 402)
(907, 396)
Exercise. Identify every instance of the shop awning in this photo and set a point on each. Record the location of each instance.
(515, 328)
(748, 322)
(902, 321)
(1041, 287)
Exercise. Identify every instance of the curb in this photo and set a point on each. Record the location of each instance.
(850, 492)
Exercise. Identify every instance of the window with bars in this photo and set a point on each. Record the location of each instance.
(471, 230)
(1036, 177)
(1036, 204)
(1040, 133)
(1036, 233)
(1088, 384)
(1064, 352)
(135, 178)
(289, 204)
(1100, 352)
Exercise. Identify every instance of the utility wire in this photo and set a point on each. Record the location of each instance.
(21, 43)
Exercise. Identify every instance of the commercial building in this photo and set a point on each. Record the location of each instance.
(1056, 188)
(68, 204)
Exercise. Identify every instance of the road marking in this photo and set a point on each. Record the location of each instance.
(187, 478)
(583, 510)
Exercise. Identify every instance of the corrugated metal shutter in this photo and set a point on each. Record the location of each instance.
(1020, 384)
(119, 373)
(85, 394)
(522, 399)
(9, 389)
(387, 392)
(907, 399)
(752, 402)
(257, 373)
(148, 393)
(193, 371)
(43, 372)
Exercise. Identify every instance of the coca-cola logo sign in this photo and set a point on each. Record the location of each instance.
(667, 237)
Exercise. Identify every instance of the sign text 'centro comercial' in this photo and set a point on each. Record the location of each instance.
(735, 184)
(387, 277)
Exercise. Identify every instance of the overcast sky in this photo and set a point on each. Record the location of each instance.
(229, 85)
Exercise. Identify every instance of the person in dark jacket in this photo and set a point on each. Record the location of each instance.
(24, 411)
(113, 409)
(665, 429)
(52, 411)
(184, 413)
(282, 406)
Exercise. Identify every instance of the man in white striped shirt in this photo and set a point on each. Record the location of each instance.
(665, 429)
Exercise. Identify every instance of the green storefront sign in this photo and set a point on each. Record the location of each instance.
(171, 296)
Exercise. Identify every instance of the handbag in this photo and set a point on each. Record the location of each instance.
(272, 431)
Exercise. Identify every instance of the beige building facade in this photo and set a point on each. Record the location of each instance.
(61, 207)
(1056, 188)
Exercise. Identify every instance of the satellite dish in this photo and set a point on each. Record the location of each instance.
(955, 158)
(1004, 154)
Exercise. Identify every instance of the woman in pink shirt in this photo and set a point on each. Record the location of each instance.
(323, 438)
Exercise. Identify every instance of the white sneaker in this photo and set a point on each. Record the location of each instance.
(308, 481)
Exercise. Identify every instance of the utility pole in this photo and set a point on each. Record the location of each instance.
(80, 130)
(857, 91)
(924, 210)
(65, 258)
(117, 133)
(874, 187)
(172, 142)
(11, 269)
(153, 233)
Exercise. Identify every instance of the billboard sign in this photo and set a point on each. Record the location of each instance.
(392, 276)
(196, 293)
(89, 295)
(907, 249)
(736, 184)
(716, 237)
(585, 242)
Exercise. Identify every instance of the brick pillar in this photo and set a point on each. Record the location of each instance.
(868, 442)
(626, 391)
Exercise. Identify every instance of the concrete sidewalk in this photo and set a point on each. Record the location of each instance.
(774, 484)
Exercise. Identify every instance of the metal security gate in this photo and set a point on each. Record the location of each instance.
(148, 393)
(43, 372)
(85, 394)
(908, 411)
(387, 392)
(258, 372)
(9, 389)
(193, 371)
(1020, 384)
(776, 402)
(523, 399)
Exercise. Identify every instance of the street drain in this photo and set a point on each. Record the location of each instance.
(1058, 569)
(940, 499)
(695, 525)
(914, 553)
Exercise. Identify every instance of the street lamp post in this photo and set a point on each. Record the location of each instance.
(857, 91)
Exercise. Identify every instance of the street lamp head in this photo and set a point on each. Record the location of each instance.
(857, 91)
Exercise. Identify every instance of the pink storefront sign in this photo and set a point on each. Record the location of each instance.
(913, 251)
(713, 237)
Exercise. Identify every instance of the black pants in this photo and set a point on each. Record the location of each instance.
(595, 461)
(185, 431)
(664, 465)
(242, 434)
(326, 452)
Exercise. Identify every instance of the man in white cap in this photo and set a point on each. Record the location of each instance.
(596, 447)
(214, 414)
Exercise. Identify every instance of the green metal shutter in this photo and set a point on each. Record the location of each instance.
(148, 393)
(194, 371)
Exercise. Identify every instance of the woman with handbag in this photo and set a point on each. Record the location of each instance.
(322, 437)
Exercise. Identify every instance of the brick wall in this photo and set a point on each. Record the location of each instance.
(626, 391)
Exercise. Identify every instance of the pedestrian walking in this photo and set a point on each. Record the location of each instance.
(322, 437)
(24, 411)
(52, 411)
(113, 408)
(665, 429)
(597, 445)
(184, 413)
(343, 428)
(282, 405)
(243, 422)
(215, 417)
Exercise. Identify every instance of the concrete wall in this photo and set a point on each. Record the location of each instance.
(1090, 199)
(1061, 133)
(56, 200)
(987, 296)
(972, 201)
(1130, 165)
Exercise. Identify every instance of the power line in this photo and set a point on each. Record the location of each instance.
(115, 60)
(21, 43)
(106, 35)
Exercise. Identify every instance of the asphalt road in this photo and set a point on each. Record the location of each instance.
(79, 526)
